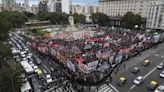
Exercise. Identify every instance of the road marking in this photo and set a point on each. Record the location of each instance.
(133, 86)
(46, 68)
(150, 72)
(113, 87)
(162, 56)
(156, 54)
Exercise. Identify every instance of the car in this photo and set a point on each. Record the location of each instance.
(38, 61)
(135, 70)
(48, 78)
(35, 68)
(31, 64)
(152, 85)
(23, 55)
(24, 59)
(160, 88)
(161, 74)
(146, 63)
(160, 66)
(121, 81)
(138, 80)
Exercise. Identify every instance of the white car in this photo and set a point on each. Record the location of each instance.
(138, 80)
(159, 88)
(35, 68)
(31, 64)
(23, 55)
(162, 74)
(48, 78)
(160, 66)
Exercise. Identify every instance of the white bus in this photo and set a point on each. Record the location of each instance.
(26, 66)
(26, 87)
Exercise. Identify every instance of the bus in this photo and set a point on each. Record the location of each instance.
(26, 66)
(26, 87)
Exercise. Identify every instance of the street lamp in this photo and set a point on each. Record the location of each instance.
(13, 76)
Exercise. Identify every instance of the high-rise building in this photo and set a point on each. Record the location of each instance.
(1, 7)
(86, 9)
(43, 6)
(155, 19)
(121, 7)
(59, 6)
(26, 3)
(9, 5)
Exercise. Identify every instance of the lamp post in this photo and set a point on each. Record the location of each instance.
(12, 78)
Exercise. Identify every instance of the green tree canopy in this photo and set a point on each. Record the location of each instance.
(100, 18)
(129, 20)
(79, 18)
(8, 75)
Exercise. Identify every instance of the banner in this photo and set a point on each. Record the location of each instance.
(70, 65)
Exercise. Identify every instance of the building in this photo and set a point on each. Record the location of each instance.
(59, 6)
(121, 7)
(34, 9)
(43, 6)
(9, 5)
(86, 9)
(26, 3)
(155, 19)
(1, 7)
(78, 9)
(66, 6)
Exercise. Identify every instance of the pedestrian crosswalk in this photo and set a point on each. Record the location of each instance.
(64, 89)
(105, 88)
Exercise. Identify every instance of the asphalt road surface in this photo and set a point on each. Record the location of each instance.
(149, 73)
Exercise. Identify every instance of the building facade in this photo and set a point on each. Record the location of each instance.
(121, 7)
(155, 19)
(43, 6)
(86, 9)
(1, 7)
(26, 3)
(59, 6)
(9, 5)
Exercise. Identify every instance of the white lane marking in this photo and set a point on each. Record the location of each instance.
(46, 68)
(133, 86)
(150, 72)
(113, 87)
(156, 54)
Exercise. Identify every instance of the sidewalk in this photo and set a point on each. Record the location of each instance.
(137, 59)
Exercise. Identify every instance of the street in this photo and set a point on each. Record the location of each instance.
(149, 73)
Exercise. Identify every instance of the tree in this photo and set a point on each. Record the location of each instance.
(79, 18)
(43, 16)
(4, 28)
(100, 19)
(17, 19)
(129, 20)
(8, 75)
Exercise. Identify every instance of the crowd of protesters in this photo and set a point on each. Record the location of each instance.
(91, 58)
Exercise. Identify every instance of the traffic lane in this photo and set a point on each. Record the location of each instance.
(154, 76)
(130, 77)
